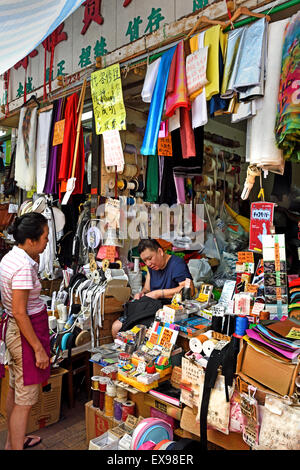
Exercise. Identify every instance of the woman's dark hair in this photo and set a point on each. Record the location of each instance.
(27, 226)
(150, 243)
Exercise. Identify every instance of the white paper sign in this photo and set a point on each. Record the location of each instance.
(113, 152)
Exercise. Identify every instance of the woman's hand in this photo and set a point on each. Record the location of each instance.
(41, 358)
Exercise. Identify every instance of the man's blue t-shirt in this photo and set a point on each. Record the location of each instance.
(175, 272)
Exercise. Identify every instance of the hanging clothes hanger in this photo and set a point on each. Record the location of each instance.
(244, 11)
(34, 98)
(203, 23)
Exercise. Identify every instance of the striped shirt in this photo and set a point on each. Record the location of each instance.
(19, 271)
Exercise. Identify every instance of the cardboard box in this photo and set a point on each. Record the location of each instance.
(104, 442)
(190, 428)
(47, 409)
(188, 421)
(118, 289)
(276, 375)
(231, 441)
(170, 410)
(96, 423)
(126, 427)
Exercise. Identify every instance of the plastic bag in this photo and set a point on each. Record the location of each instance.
(280, 425)
(210, 249)
(226, 269)
(135, 281)
(200, 270)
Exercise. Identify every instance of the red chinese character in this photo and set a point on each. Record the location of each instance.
(24, 62)
(126, 3)
(55, 38)
(92, 12)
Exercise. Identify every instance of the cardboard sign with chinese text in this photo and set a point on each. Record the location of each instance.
(164, 146)
(261, 220)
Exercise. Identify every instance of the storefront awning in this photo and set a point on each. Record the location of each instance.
(24, 24)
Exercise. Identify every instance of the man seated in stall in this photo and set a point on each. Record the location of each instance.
(165, 277)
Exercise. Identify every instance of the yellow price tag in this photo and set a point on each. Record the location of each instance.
(135, 330)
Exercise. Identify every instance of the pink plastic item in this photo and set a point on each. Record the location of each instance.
(149, 445)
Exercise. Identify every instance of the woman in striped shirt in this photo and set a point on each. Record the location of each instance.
(27, 333)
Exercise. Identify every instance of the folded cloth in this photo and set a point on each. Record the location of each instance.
(25, 163)
(257, 91)
(251, 57)
(152, 180)
(188, 167)
(172, 74)
(180, 189)
(199, 104)
(216, 103)
(174, 121)
(214, 37)
(233, 51)
(196, 70)
(54, 152)
(244, 111)
(187, 134)
(287, 126)
(196, 42)
(156, 107)
(261, 148)
(295, 283)
(177, 97)
(288, 354)
(150, 80)
(42, 149)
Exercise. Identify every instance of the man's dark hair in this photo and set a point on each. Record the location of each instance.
(150, 243)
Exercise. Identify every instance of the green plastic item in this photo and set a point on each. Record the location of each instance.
(216, 294)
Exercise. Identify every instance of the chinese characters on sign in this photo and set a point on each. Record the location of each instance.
(197, 4)
(164, 146)
(107, 96)
(99, 50)
(92, 12)
(24, 62)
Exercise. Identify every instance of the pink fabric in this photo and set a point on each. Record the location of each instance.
(172, 75)
(180, 190)
(178, 97)
(32, 374)
(187, 135)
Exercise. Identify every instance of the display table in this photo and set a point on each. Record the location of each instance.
(78, 362)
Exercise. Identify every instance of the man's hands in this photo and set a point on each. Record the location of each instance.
(155, 294)
(138, 296)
